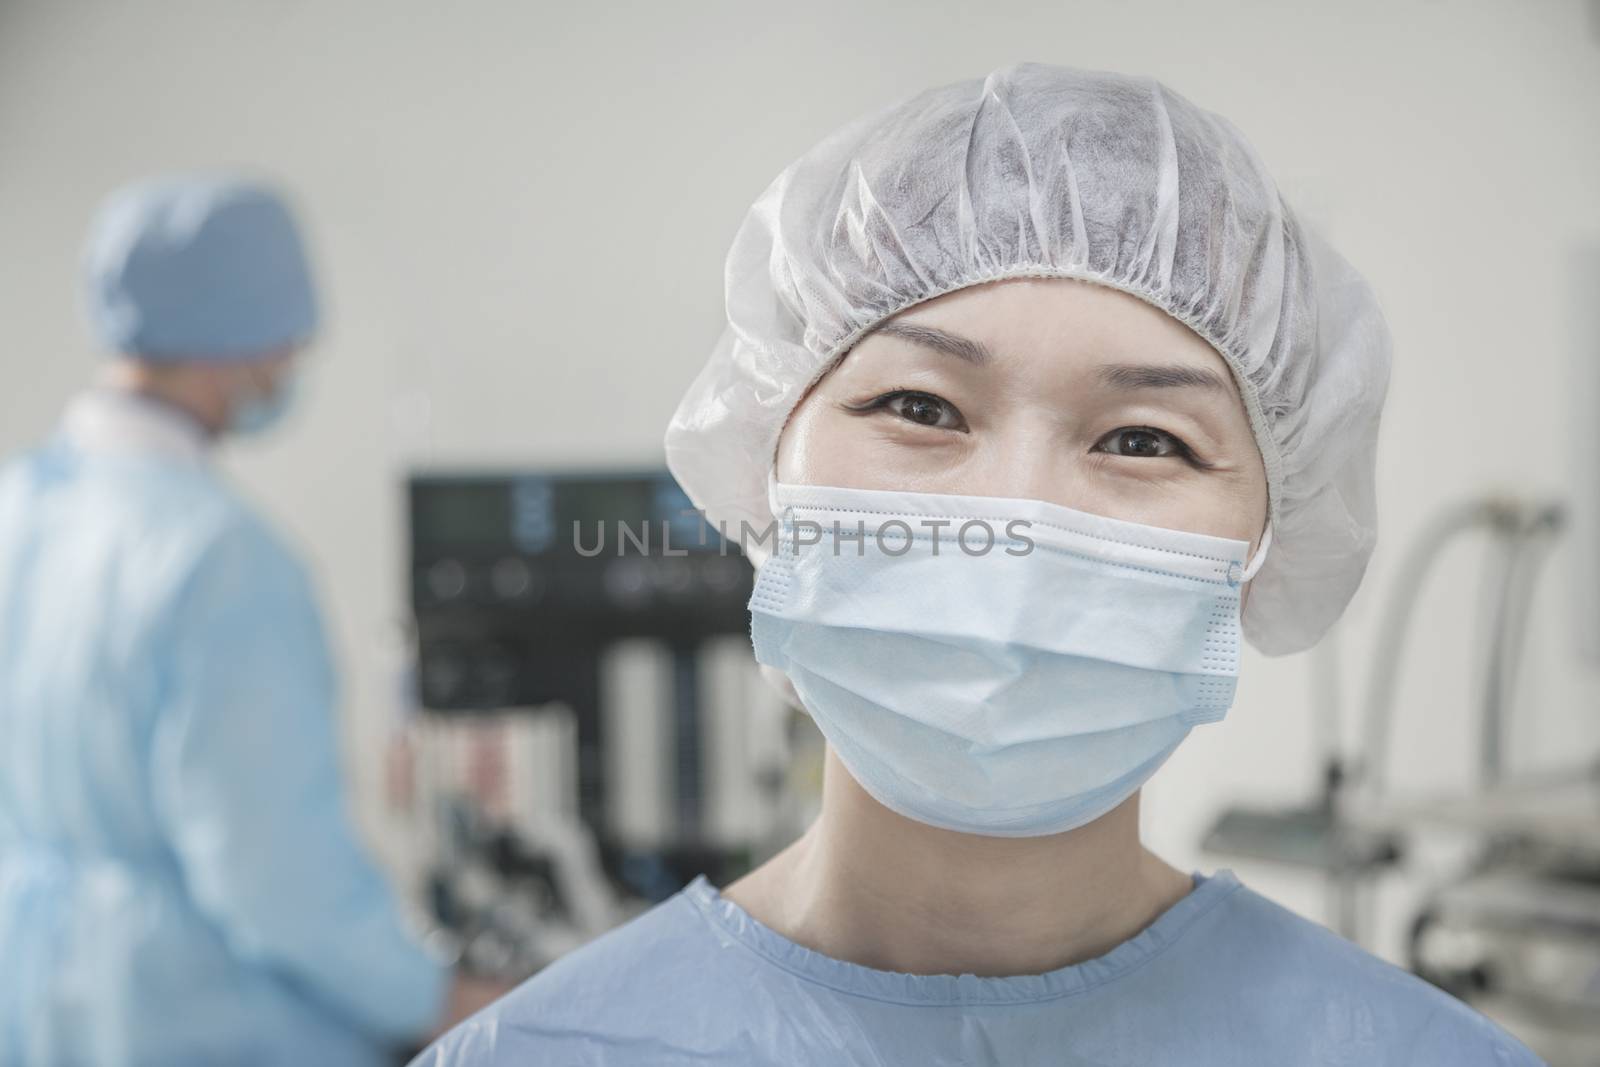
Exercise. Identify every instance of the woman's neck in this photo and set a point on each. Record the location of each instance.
(866, 885)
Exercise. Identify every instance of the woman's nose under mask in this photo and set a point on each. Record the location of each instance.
(991, 665)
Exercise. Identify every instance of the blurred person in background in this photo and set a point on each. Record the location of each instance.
(179, 881)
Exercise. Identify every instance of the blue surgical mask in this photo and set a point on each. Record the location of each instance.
(260, 412)
(997, 666)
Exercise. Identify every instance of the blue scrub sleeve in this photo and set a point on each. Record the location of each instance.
(247, 782)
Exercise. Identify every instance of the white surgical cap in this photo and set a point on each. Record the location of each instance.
(1042, 171)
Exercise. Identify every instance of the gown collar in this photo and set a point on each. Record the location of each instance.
(124, 422)
(735, 924)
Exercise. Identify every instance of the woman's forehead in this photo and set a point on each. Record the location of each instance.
(1068, 327)
(1031, 311)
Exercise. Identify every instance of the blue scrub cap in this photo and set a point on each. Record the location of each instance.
(198, 267)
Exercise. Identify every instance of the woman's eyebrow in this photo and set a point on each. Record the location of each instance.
(931, 337)
(1115, 375)
(1161, 376)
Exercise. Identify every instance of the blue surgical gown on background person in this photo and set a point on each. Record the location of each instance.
(1224, 978)
(179, 883)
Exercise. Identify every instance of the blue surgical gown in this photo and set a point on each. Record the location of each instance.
(1224, 978)
(179, 883)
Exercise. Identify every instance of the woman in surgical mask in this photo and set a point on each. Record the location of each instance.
(1035, 401)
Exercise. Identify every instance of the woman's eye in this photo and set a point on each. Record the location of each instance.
(924, 409)
(1143, 441)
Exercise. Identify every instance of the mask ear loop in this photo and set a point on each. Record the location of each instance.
(779, 514)
(1259, 558)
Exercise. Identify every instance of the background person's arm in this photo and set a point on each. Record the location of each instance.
(247, 779)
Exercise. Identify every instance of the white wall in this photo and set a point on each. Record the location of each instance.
(521, 212)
